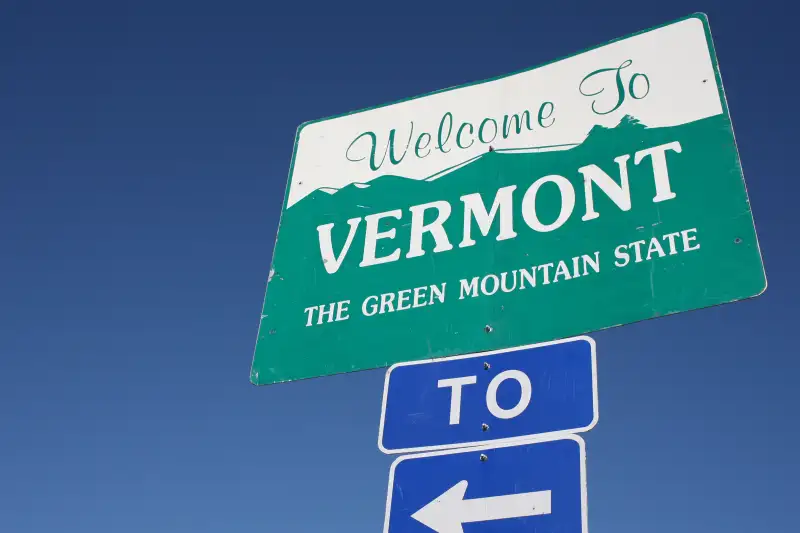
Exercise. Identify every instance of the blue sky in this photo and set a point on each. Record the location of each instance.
(144, 151)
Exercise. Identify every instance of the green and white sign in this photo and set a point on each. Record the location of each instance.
(591, 192)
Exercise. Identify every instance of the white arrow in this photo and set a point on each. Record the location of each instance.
(446, 513)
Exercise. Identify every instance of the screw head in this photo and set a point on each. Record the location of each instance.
(486, 366)
(485, 427)
(483, 457)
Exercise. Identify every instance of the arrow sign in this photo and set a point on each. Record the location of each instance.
(446, 513)
(518, 487)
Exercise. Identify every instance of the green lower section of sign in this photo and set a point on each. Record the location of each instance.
(695, 249)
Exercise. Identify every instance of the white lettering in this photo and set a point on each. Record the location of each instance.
(594, 263)
(342, 307)
(687, 240)
(562, 270)
(491, 394)
(437, 293)
(619, 194)
(530, 277)
(435, 228)
(529, 203)
(503, 277)
(469, 289)
(419, 293)
(638, 245)
(622, 255)
(329, 259)
(658, 156)
(455, 394)
(403, 296)
(474, 207)
(370, 306)
(323, 313)
(655, 246)
(546, 269)
(387, 303)
(671, 237)
(310, 314)
(373, 236)
(495, 285)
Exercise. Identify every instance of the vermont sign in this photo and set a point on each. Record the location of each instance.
(594, 191)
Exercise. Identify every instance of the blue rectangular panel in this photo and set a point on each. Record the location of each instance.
(512, 488)
(546, 389)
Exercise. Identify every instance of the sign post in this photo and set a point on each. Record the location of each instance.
(590, 192)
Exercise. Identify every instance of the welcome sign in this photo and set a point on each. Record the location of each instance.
(591, 192)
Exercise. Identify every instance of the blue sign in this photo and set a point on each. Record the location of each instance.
(512, 488)
(546, 389)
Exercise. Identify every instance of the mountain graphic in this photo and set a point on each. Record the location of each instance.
(355, 193)
(390, 187)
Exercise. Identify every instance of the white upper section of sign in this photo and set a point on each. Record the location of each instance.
(675, 85)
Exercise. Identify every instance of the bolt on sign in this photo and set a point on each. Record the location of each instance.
(590, 192)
